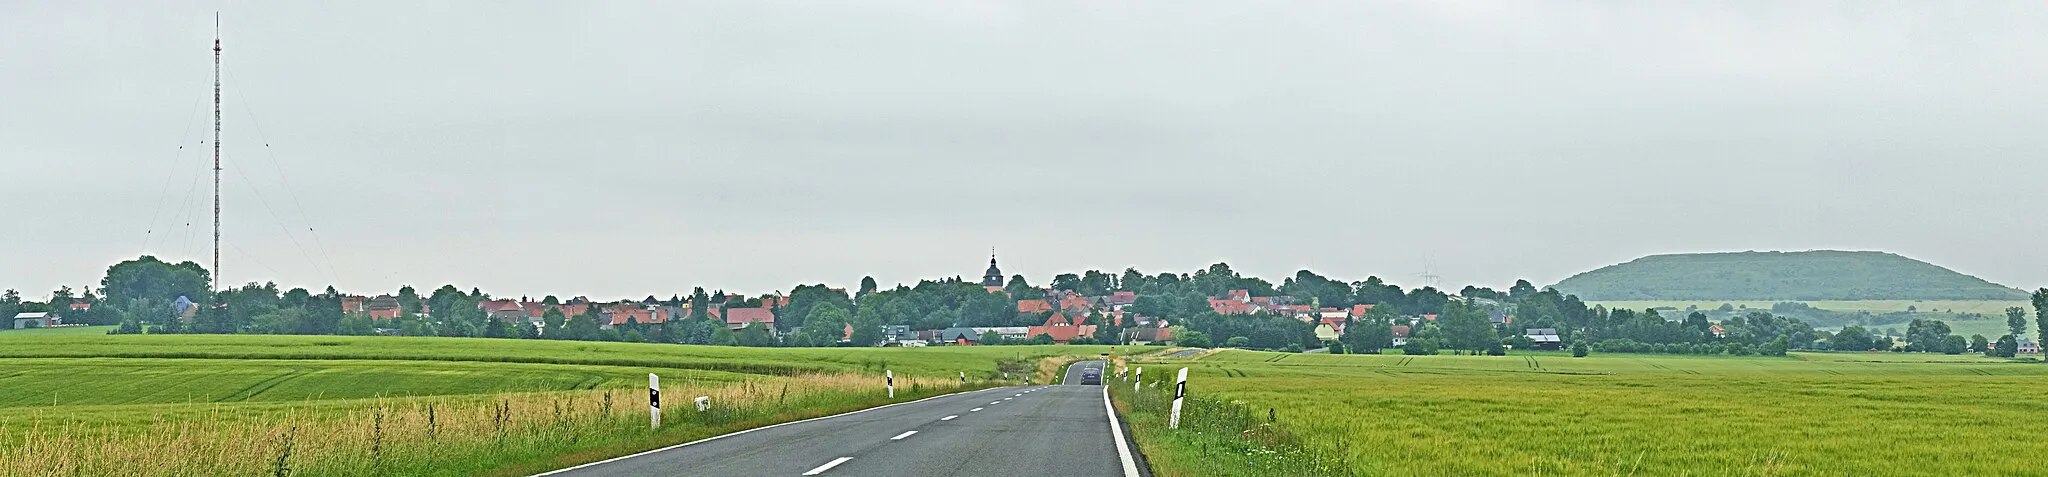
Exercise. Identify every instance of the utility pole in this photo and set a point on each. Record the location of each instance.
(216, 156)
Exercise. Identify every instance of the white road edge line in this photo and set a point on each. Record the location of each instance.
(828, 466)
(903, 435)
(948, 418)
(1123, 447)
(713, 438)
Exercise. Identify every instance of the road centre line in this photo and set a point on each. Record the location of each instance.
(903, 435)
(974, 410)
(744, 431)
(828, 466)
(948, 418)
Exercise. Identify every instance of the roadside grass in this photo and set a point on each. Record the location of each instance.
(326, 405)
(1615, 414)
(926, 361)
(504, 434)
(1216, 437)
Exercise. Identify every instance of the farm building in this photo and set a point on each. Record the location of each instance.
(35, 320)
(2029, 347)
(1543, 338)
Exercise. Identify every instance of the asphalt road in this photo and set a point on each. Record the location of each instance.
(1062, 430)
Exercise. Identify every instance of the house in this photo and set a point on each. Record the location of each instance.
(383, 307)
(1400, 335)
(737, 318)
(1033, 306)
(1498, 319)
(628, 312)
(1330, 330)
(1543, 338)
(1717, 331)
(959, 336)
(1230, 307)
(1148, 335)
(81, 306)
(1119, 300)
(1242, 296)
(1359, 311)
(508, 310)
(185, 308)
(36, 320)
(2029, 347)
(1061, 329)
(353, 304)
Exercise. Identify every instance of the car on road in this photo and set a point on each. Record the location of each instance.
(1091, 376)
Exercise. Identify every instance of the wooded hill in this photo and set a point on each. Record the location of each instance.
(1814, 275)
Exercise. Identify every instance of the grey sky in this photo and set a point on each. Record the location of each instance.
(624, 149)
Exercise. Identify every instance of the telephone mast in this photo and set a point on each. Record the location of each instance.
(216, 153)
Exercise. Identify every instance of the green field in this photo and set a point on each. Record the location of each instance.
(1550, 414)
(94, 404)
(74, 330)
(1995, 308)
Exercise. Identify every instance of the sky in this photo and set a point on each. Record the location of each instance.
(625, 149)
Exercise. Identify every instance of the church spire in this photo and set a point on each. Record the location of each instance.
(994, 277)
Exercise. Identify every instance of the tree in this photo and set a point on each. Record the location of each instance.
(1237, 342)
(2007, 347)
(754, 334)
(1776, 347)
(1067, 281)
(2041, 317)
(1579, 349)
(1293, 348)
(1337, 347)
(2016, 320)
(154, 280)
(1192, 339)
(1979, 344)
(1926, 335)
(867, 287)
(582, 327)
(867, 327)
(824, 326)
(553, 323)
(408, 300)
(1465, 326)
(1852, 338)
(1955, 344)
(990, 338)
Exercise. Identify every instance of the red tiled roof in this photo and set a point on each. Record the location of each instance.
(1359, 311)
(1400, 331)
(1123, 298)
(741, 316)
(494, 306)
(1239, 295)
(1230, 307)
(1033, 306)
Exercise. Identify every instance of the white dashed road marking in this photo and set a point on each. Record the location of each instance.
(974, 410)
(828, 466)
(903, 435)
(948, 418)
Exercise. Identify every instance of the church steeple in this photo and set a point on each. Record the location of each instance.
(994, 277)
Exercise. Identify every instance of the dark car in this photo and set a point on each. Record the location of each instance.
(1091, 376)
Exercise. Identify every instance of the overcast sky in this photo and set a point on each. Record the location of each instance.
(621, 149)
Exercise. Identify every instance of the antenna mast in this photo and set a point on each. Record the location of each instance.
(216, 153)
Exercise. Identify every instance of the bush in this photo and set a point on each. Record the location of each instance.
(1194, 339)
(1579, 349)
(1237, 342)
(1496, 350)
(1294, 347)
(1337, 347)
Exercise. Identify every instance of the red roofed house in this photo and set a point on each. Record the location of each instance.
(81, 306)
(508, 310)
(1061, 329)
(1230, 307)
(1717, 330)
(1239, 295)
(383, 307)
(1359, 311)
(1400, 335)
(736, 318)
(1074, 304)
(1118, 300)
(1033, 306)
(620, 314)
(353, 304)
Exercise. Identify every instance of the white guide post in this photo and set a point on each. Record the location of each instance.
(703, 403)
(1180, 390)
(892, 383)
(1139, 381)
(654, 400)
(963, 377)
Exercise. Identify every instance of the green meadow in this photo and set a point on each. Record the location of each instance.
(1551, 414)
(95, 404)
(1986, 307)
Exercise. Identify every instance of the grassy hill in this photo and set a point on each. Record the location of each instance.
(1803, 276)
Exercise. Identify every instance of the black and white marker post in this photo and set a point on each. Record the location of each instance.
(963, 378)
(892, 383)
(1180, 390)
(1139, 381)
(654, 399)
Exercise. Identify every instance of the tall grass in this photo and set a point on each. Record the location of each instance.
(504, 434)
(1219, 438)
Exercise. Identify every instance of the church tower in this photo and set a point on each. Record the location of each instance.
(994, 277)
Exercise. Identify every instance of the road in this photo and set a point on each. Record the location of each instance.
(1061, 430)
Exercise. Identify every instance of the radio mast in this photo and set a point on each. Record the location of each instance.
(216, 154)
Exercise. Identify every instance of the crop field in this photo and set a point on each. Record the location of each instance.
(1551, 414)
(324, 405)
(69, 330)
(1986, 307)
